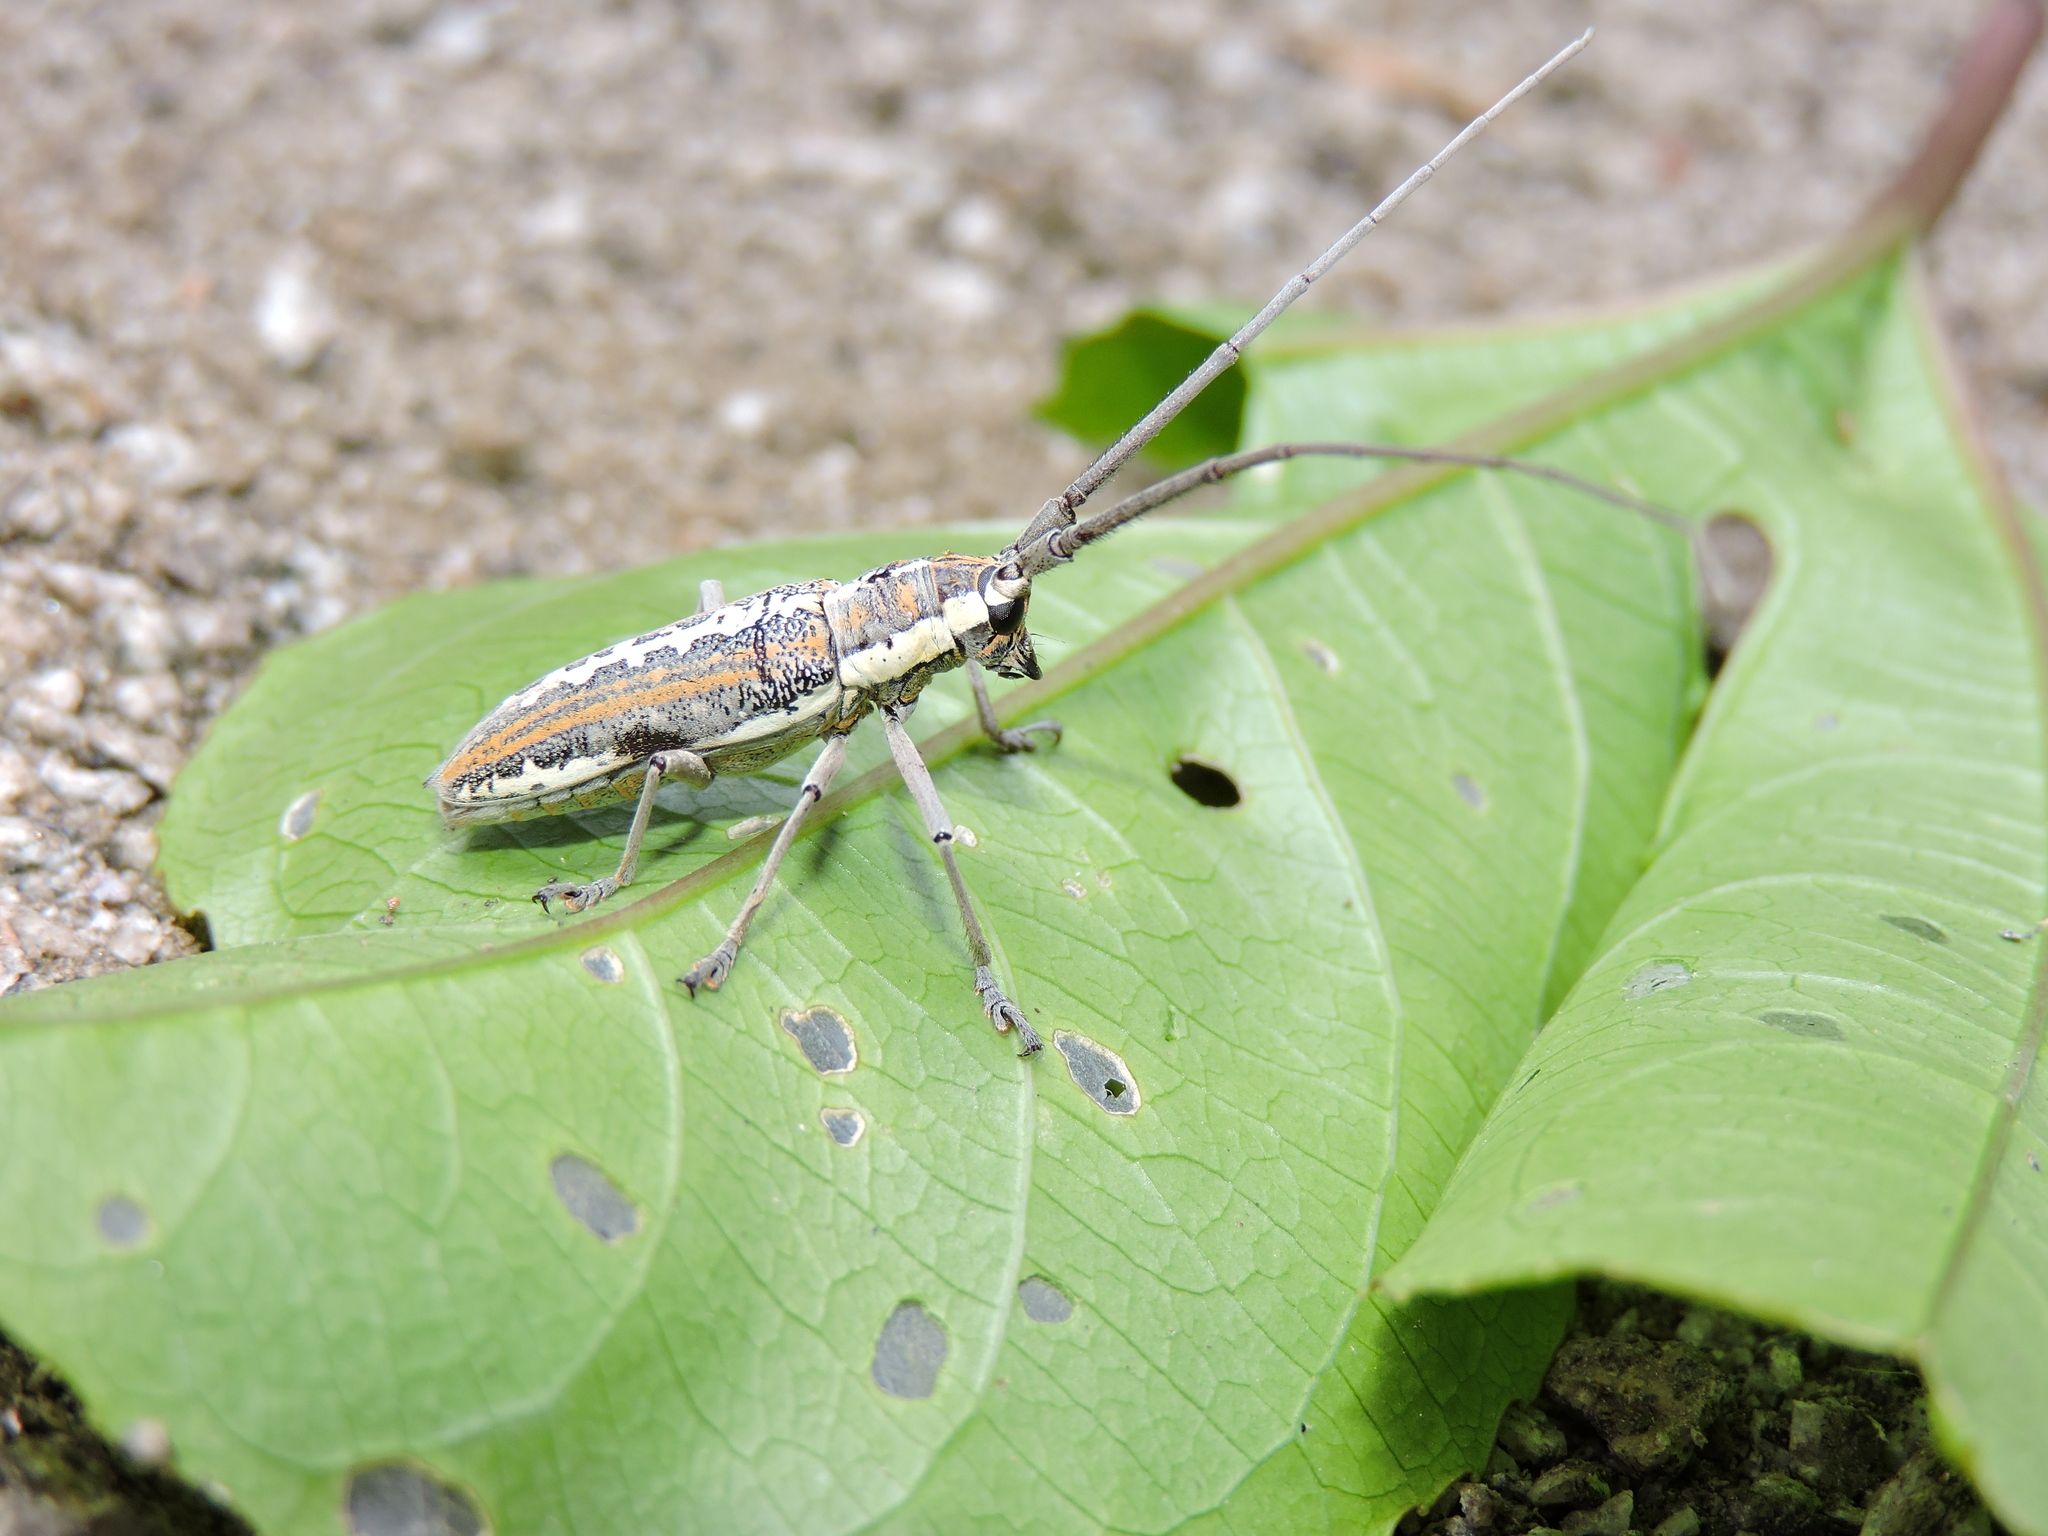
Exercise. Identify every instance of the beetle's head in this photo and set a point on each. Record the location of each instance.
(984, 601)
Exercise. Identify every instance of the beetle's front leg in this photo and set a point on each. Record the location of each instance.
(1002, 738)
(688, 767)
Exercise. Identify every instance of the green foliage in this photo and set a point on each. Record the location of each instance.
(1112, 378)
(1798, 1074)
(305, 1198)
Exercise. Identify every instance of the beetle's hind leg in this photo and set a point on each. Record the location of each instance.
(688, 767)
(1003, 739)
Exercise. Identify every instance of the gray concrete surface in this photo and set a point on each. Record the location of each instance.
(302, 307)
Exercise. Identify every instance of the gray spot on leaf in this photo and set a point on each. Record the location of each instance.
(1098, 1072)
(1043, 1302)
(396, 1500)
(1657, 976)
(1469, 791)
(603, 963)
(1811, 1026)
(909, 1352)
(1170, 565)
(1322, 656)
(739, 831)
(121, 1221)
(1734, 570)
(592, 1198)
(1557, 1195)
(824, 1037)
(1919, 927)
(297, 819)
(845, 1126)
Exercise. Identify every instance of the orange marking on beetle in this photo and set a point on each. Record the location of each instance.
(593, 705)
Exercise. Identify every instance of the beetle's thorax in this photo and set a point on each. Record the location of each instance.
(900, 623)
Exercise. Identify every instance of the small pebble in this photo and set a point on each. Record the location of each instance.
(1610, 1519)
(1528, 1435)
(1787, 1374)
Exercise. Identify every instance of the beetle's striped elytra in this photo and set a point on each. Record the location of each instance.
(739, 686)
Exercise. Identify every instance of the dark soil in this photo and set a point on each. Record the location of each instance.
(1657, 1417)
(1661, 1417)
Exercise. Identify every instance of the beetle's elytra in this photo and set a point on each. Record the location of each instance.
(741, 685)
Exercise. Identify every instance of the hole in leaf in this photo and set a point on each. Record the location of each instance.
(399, 1501)
(1043, 1302)
(121, 1221)
(909, 1352)
(592, 1198)
(1734, 569)
(825, 1039)
(844, 1126)
(1812, 1026)
(1098, 1072)
(1657, 976)
(1203, 784)
(1919, 927)
(603, 963)
(1469, 791)
(297, 819)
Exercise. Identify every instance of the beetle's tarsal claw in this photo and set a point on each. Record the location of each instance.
(710, 972)
(1019, 740)
(577, 898)
(1004, 1014)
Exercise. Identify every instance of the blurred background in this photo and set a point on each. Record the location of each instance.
(303, 307)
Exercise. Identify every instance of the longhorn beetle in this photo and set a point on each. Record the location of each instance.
(740, 685)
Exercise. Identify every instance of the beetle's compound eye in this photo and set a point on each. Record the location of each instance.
(1005, 600)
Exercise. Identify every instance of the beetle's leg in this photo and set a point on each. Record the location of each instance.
(710, 595)
(1005, 740)
(717, 965)
(1003, 1013)
(687, 766)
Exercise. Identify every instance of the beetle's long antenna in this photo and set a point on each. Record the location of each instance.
(1059, 512)
(1059, 545)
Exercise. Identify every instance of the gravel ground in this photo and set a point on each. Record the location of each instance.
(303, 307)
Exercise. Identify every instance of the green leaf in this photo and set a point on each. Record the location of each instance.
(484, 1197)
(339, 1241)
(1110, 379)
(1798, 1074)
